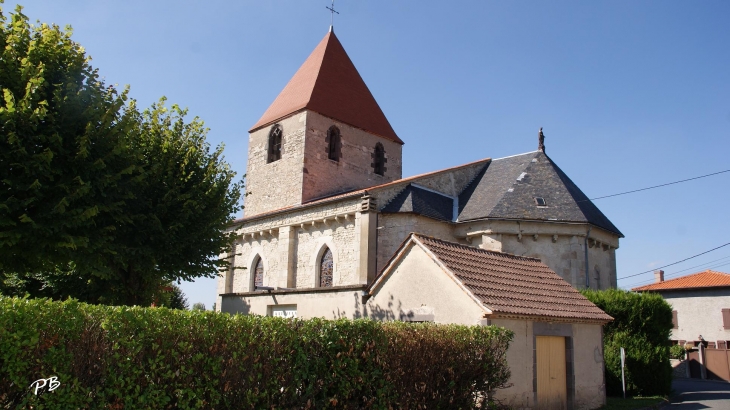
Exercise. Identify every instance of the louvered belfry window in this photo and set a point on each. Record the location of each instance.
(379, 159)
(325, 269)
(275, 136)
(258, 273)
(333, 143)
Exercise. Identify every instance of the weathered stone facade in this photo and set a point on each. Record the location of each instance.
(305, 172)
(263, 195)
(561, 246)
(324, 177)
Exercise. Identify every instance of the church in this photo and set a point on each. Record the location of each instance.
(332, 229)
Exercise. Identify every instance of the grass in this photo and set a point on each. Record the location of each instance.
(619, 403)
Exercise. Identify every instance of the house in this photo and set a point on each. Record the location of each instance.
(556, 356)
(329, 224)
(700, 306)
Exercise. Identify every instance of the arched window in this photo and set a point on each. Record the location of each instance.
(275, 143)
(258, 273)
(379, 159)
(333, 143)
(326, 268)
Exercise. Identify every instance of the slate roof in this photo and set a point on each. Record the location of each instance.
(360, 192)
(508, 186)
(513, 285)
(421, 201)
(329, 84)
(489, 196)
(700, 280)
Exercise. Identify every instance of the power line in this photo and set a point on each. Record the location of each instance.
(673, 274)
(679, 273)
(685, 259)
(655, 186)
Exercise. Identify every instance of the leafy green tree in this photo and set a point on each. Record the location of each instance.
(171, 296)
(63, 149)
(642, 325)
(98, 200)
(198, 306)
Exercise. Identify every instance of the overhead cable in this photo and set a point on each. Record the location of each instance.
(655, 186)
(685, 259)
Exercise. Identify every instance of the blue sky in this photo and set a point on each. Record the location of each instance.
(630, 94)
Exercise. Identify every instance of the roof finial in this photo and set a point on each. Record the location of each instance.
(332, 17)
(541, 141)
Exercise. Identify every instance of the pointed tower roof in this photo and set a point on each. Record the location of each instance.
(329, 84)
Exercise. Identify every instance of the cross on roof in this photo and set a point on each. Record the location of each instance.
(332, 12)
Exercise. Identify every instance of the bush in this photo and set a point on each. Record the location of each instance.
(122, 357)
(642, 325)
(677, 352)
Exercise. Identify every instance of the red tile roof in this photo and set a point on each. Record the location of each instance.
(512, 285)
(706, 279)
(329, 84)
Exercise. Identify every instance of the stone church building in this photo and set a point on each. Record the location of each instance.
(328, 206)
(332, 229)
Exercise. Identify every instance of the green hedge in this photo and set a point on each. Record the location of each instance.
(642, 325)
(155, 358)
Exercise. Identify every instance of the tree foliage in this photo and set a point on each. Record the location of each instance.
(98, 200)
(642, 325)
(171, 296)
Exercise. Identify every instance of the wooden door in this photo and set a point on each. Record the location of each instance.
(551, 375)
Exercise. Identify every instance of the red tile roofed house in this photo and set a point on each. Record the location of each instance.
(700, 304)
(434, 280)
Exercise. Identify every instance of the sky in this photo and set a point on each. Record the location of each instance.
(630, 94)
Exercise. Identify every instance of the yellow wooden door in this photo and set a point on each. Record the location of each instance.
(551, 376)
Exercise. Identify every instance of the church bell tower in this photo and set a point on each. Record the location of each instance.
(323, 135)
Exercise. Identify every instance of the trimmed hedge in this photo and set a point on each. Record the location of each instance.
(642, 325)
(154, 358)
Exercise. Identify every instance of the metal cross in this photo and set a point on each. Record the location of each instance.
(332, 12)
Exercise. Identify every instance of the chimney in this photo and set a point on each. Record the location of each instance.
(658, 276)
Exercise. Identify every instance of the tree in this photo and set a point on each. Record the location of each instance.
(63, 149)
(642, 325)
(199, 306)
(99, 200)
(171, 296)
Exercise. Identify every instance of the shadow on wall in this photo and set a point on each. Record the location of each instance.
(371, 311)
(237, 305)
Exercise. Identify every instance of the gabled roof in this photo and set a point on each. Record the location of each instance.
(414, 199)
(700, 280)
(507, 285)
(507, 189)
(329, 84)
(364, 191)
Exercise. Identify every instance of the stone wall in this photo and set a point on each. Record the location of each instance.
(341, 239)
(332, 303)
(393, 229)
(277, 184)
(561, 246)
(290, 244)
(324, 177)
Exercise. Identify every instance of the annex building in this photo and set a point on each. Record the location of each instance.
(332, 229)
